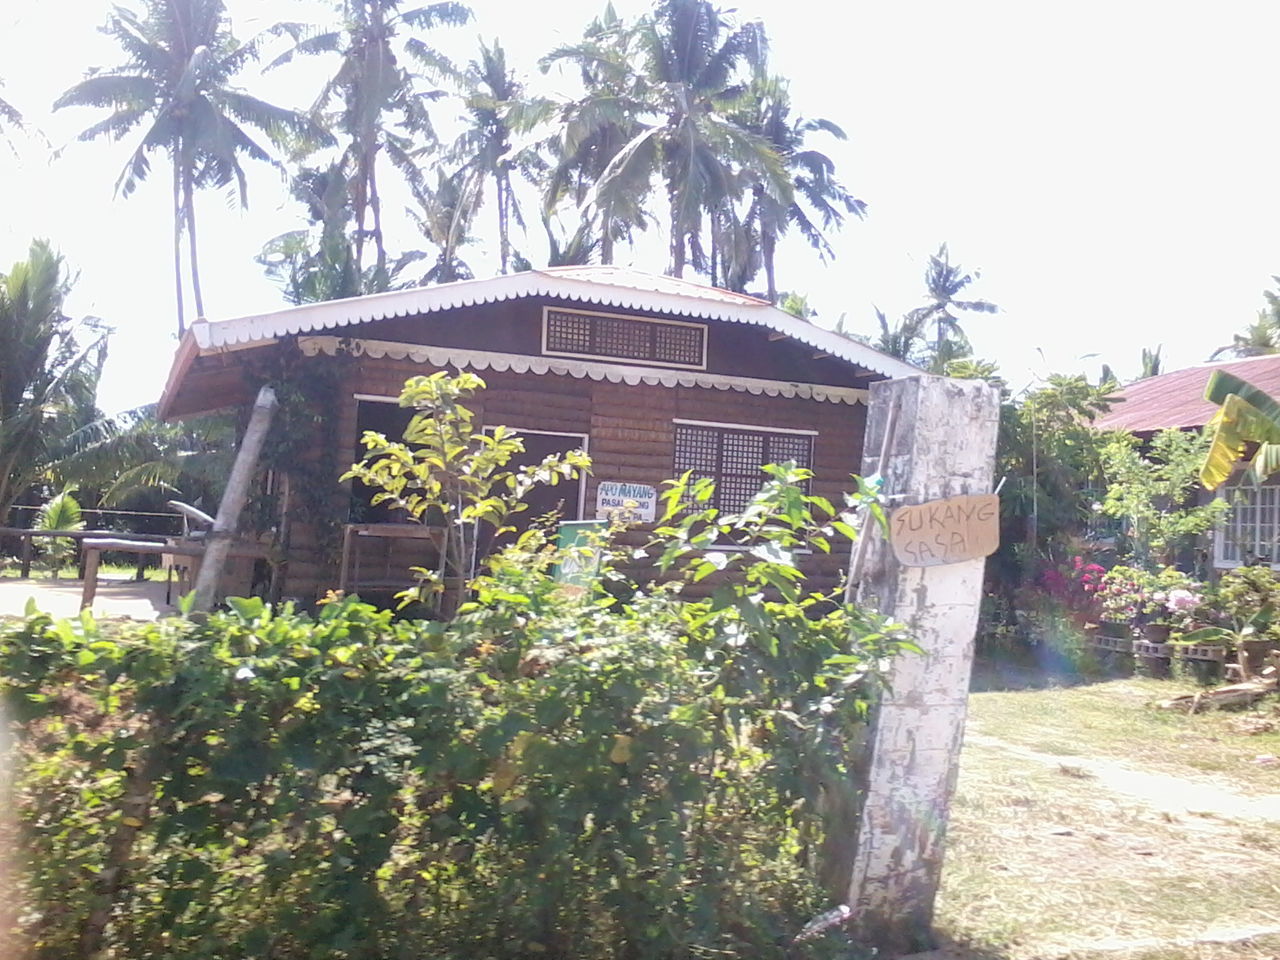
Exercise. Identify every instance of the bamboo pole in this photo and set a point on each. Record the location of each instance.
(233, 500)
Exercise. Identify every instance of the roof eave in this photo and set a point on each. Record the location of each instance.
(339, 313)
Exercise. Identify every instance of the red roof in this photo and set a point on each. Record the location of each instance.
(1177, 399)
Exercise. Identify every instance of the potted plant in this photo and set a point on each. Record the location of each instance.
(1123, 596)
(1170, 603)
(1245, 602)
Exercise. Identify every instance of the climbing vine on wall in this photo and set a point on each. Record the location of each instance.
(304, 454)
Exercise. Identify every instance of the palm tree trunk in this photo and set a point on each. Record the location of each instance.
(768, 247)
(375, 205)
(503, 186)
(177, 246)
(606, 237)
(715, 251)
(677, 240)
(189, 202)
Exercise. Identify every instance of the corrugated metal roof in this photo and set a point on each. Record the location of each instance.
(1177, 399)
(608, 286)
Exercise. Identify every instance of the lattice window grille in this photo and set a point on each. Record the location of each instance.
(569, 332)
(625, 338)
(732, 457)
(672, 344)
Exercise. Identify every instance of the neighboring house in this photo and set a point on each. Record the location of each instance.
(1252, 529)
(651, 375)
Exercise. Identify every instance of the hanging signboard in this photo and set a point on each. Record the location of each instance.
(629, 502)
(946, 531)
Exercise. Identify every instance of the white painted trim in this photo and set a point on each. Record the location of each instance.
(758, 428)
(546, 351)
(374, 398)
(580, 369)
(613, 287)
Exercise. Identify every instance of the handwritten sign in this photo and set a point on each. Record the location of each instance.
(946, 531)
(631, 502)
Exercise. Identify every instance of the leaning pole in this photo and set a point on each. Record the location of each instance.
(233, 500)
(932, 440)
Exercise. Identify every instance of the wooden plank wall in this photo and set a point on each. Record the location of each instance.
(631, 439)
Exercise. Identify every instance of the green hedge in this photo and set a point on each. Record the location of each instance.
(548, 776)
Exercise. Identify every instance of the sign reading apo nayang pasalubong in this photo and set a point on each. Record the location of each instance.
(946, 531)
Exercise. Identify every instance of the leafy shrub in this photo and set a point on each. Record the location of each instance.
(1245, 592)
(547, 775)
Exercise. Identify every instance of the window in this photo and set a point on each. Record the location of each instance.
(668, 343)
(732, 456)
(1251, 531)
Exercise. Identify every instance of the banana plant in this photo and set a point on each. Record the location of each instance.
(60, 513)
(1246, 415)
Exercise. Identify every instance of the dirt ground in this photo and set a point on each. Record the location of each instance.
(1087, 824)
(116, 598)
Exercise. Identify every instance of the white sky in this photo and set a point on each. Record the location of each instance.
(1110, 167)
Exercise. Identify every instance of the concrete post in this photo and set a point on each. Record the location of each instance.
(942, 445)
(233, 500)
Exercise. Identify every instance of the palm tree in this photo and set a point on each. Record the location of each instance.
(1151, 362)
(134, 453)
(575, 249)
(444, 217)
(382, 110)
(593, 129)
(944, 281)
(178, 77)
(768, 114)
(494, 100)
(49, 368)
(1260, 338)
(904, 339)
(319, 263)
(691, 57)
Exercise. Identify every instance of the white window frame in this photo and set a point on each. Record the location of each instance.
(609, 358)
(1233, 522)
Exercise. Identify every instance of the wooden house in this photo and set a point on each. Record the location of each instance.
(651, 375)
(1250, 534)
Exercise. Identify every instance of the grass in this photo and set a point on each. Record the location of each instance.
(1116, 720)
(1046, 860)
(107, 571)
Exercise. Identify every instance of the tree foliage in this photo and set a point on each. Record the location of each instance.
(49, 369)
(60, 512)
(1260, 338)
(1152, 488)
(447, 472)
(177, 83)
(377, 103)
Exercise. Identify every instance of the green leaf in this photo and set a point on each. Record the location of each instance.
(1247, 415)
(247, 608)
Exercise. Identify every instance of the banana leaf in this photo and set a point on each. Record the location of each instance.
(1209, 635)
(1247, 415)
